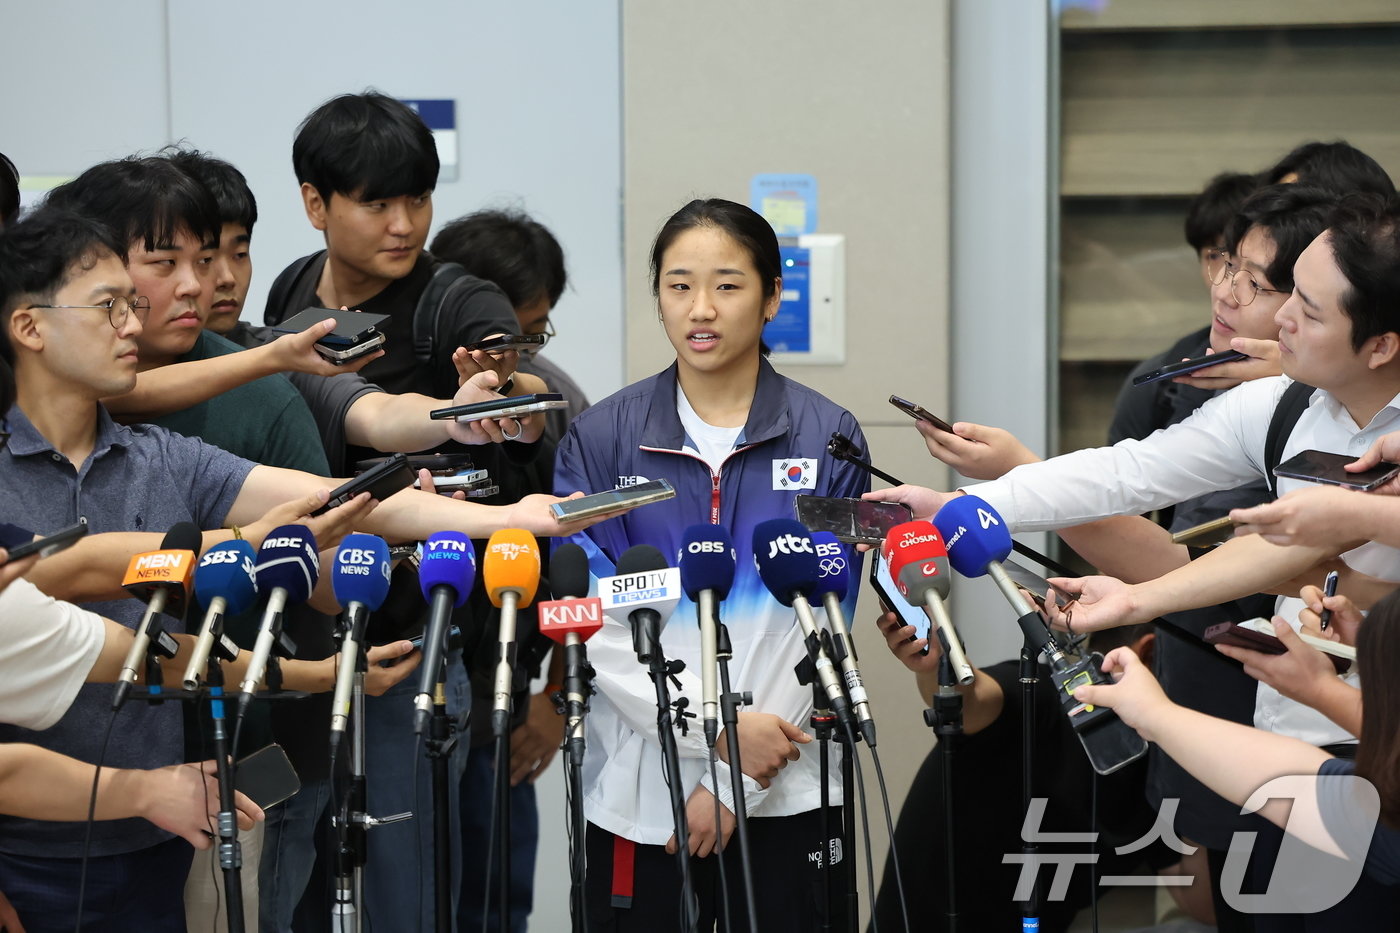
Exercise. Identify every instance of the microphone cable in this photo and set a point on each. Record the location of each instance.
(894, 850)
(864, 825)
(578, 848)
(91, 818)
(502, 764)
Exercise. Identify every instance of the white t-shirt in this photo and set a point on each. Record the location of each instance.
(712, 444)
(47, 648)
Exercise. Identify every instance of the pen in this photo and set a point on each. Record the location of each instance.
(1329, 588)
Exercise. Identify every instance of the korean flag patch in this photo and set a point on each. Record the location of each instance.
(794, 474)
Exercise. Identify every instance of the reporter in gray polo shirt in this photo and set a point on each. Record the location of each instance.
(67, 327)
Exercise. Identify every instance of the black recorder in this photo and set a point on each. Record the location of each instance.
(356, 334)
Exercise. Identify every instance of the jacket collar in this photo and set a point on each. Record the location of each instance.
(768, 415)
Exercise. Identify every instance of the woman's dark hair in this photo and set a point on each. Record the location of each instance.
(1292, 215)
(9, 191)
(1337, 166)
(366, 146)
(1377, 657)
(1211, 210)
(142, 199)
(41, 253)
(509, 249)
(226, 183)
(743, 224)
(1364, 235)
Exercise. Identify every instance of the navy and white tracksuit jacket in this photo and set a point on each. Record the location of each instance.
(636, 435)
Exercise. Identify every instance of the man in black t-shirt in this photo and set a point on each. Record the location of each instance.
(367, 166)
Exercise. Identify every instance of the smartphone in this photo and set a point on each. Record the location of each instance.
(1319, 466)
(854, 521)
(1258, 635)
(511, 407)
(267, 776)
(892, 600)
(381, 482)
(614, 500)
(920, 413)
(1035, 585)
(504, 342)
(472, 479)
(355, 333)
(1171, 371)
(454, 637)
(47, 547)
(436, 464)
(1206, 534)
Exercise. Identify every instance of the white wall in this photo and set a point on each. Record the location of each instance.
(536, 84)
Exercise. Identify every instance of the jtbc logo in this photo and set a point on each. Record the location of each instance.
(789, 544)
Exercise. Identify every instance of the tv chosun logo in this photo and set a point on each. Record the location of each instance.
(794, 474)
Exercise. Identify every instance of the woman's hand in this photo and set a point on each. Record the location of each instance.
(1301, 673)
(1099, 603)
(1319, 516)
(1135, 695)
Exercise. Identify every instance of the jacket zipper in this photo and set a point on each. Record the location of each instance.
(714, 474)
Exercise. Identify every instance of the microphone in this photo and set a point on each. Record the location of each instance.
(511, 573)
(918, 563)
(360, 580)
(287, 569)
(978, 541)
(445, 575)
(223, 584)
(571, 620)
(788, 565)
(833, 582)
(707, 560)
(641, 595)
(161, 579)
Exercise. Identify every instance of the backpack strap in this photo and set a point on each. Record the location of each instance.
(1289, 409)
(429, 309)
(282, 286)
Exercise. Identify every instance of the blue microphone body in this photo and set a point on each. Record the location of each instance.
(445, 575)
(360, 580)
(787, 562)
(707, 561)
(224, 585)
(287, 569)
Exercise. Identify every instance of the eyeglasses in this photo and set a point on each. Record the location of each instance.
(1244, 287)
(547, 333)
(118, 309)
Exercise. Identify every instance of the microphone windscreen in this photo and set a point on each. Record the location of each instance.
(288, 559)
(707, 560)
(834, 564)
(786, 559)
(449, 559)
(361, 571)
(183, 536)
(974, 534)
(639, 559)
(226, 570)
(568, 571)
(917, 560)
(512, 564)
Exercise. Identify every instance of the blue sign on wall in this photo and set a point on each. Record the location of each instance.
(438, 114)
(787, 200)
(791, 330)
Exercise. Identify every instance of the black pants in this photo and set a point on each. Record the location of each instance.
(788, 880)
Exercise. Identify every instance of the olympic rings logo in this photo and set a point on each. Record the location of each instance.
(833, 566)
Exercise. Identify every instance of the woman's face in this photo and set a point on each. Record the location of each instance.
(711, 300)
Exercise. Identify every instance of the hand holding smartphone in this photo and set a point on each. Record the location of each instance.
(920, 413)
(356, 334)
(1319, 466)
(1172, 370)
(512, 407)
(380, 482)
(614, 500)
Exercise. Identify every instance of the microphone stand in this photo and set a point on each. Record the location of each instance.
(500, 726)
(729, 714)
(823, 723)
(1030, 677)
(574, 704)
(825, 727)
(230, 849)
(439, 744)
(660, 669)
(945, 717)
